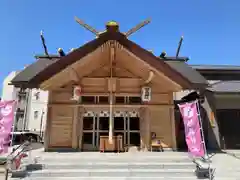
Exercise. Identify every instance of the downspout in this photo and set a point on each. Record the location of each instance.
(26, 109)
(41, 123)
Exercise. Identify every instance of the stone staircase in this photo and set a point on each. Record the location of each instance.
(94, 165)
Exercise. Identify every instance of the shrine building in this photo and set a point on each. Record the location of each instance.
(125, 95)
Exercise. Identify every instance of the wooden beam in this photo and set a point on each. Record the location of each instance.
(150, 77)
(114, 105)
(177, 86)
(58, 79)
(69, 75)
(106, 93)
(113, 58)
(73, 75)
(98, 69)
(99, 81)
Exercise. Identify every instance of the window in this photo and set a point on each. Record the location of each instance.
(103, 100)
(88, 99)
(134, 100)
(21, 96)
(119, 99)
(37, 95)
(35, 114)
(20, 113)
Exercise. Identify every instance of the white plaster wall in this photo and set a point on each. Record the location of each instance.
(40, 105)
(180, 94)
(9, 92)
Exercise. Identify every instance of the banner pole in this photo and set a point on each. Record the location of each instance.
(201, 127)
(14, 123)
(203, 140)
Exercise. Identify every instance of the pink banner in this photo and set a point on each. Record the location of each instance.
(6, 122)
(192, 128)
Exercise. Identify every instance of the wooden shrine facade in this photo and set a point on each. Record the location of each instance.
(111, 71)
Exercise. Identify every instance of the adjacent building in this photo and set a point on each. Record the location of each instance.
(9, 92)
(31, 107)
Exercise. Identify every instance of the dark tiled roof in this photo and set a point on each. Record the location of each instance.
(174, 58)
(226, 87)
(188, 72)
(32, 70)
(215, 67)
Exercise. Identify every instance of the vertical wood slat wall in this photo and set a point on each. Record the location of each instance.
(64, 123)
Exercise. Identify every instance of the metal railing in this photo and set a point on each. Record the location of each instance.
(24, 145)
(203, 172)
(12, 156)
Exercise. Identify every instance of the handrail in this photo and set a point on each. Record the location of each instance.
(204, 172)
(23, 149)
(25, 144)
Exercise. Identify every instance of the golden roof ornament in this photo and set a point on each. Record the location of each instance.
(112, 26)
(112, 23)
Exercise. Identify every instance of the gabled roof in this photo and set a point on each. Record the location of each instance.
(38, 72)
(24, 77)
(188, 72)
(226, 87)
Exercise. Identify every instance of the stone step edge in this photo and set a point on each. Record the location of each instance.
(114, 154)
(112, 178)
(109, 158)
(115, 163)
(52, 171)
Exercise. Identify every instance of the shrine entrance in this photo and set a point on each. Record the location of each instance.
(96, 124)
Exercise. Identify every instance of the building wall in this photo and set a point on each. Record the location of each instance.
(9, 92)
(210, 119)
(208, 115)
(37, 110)
(212, 103)
(180, 94)
(64, 126)
(27, 106)
(227, 101)
(21, 111)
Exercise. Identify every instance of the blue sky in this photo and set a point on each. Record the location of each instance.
(211, 28)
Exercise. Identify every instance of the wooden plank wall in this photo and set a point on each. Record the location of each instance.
(65, 131)
(160, 123)
(61, 120)
(61, 127)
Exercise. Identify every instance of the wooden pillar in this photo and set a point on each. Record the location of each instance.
(47, 129)
(80, 126)
(145, 128)
(75, 127)
(173, 127)
(146, 123)
(142, 129)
